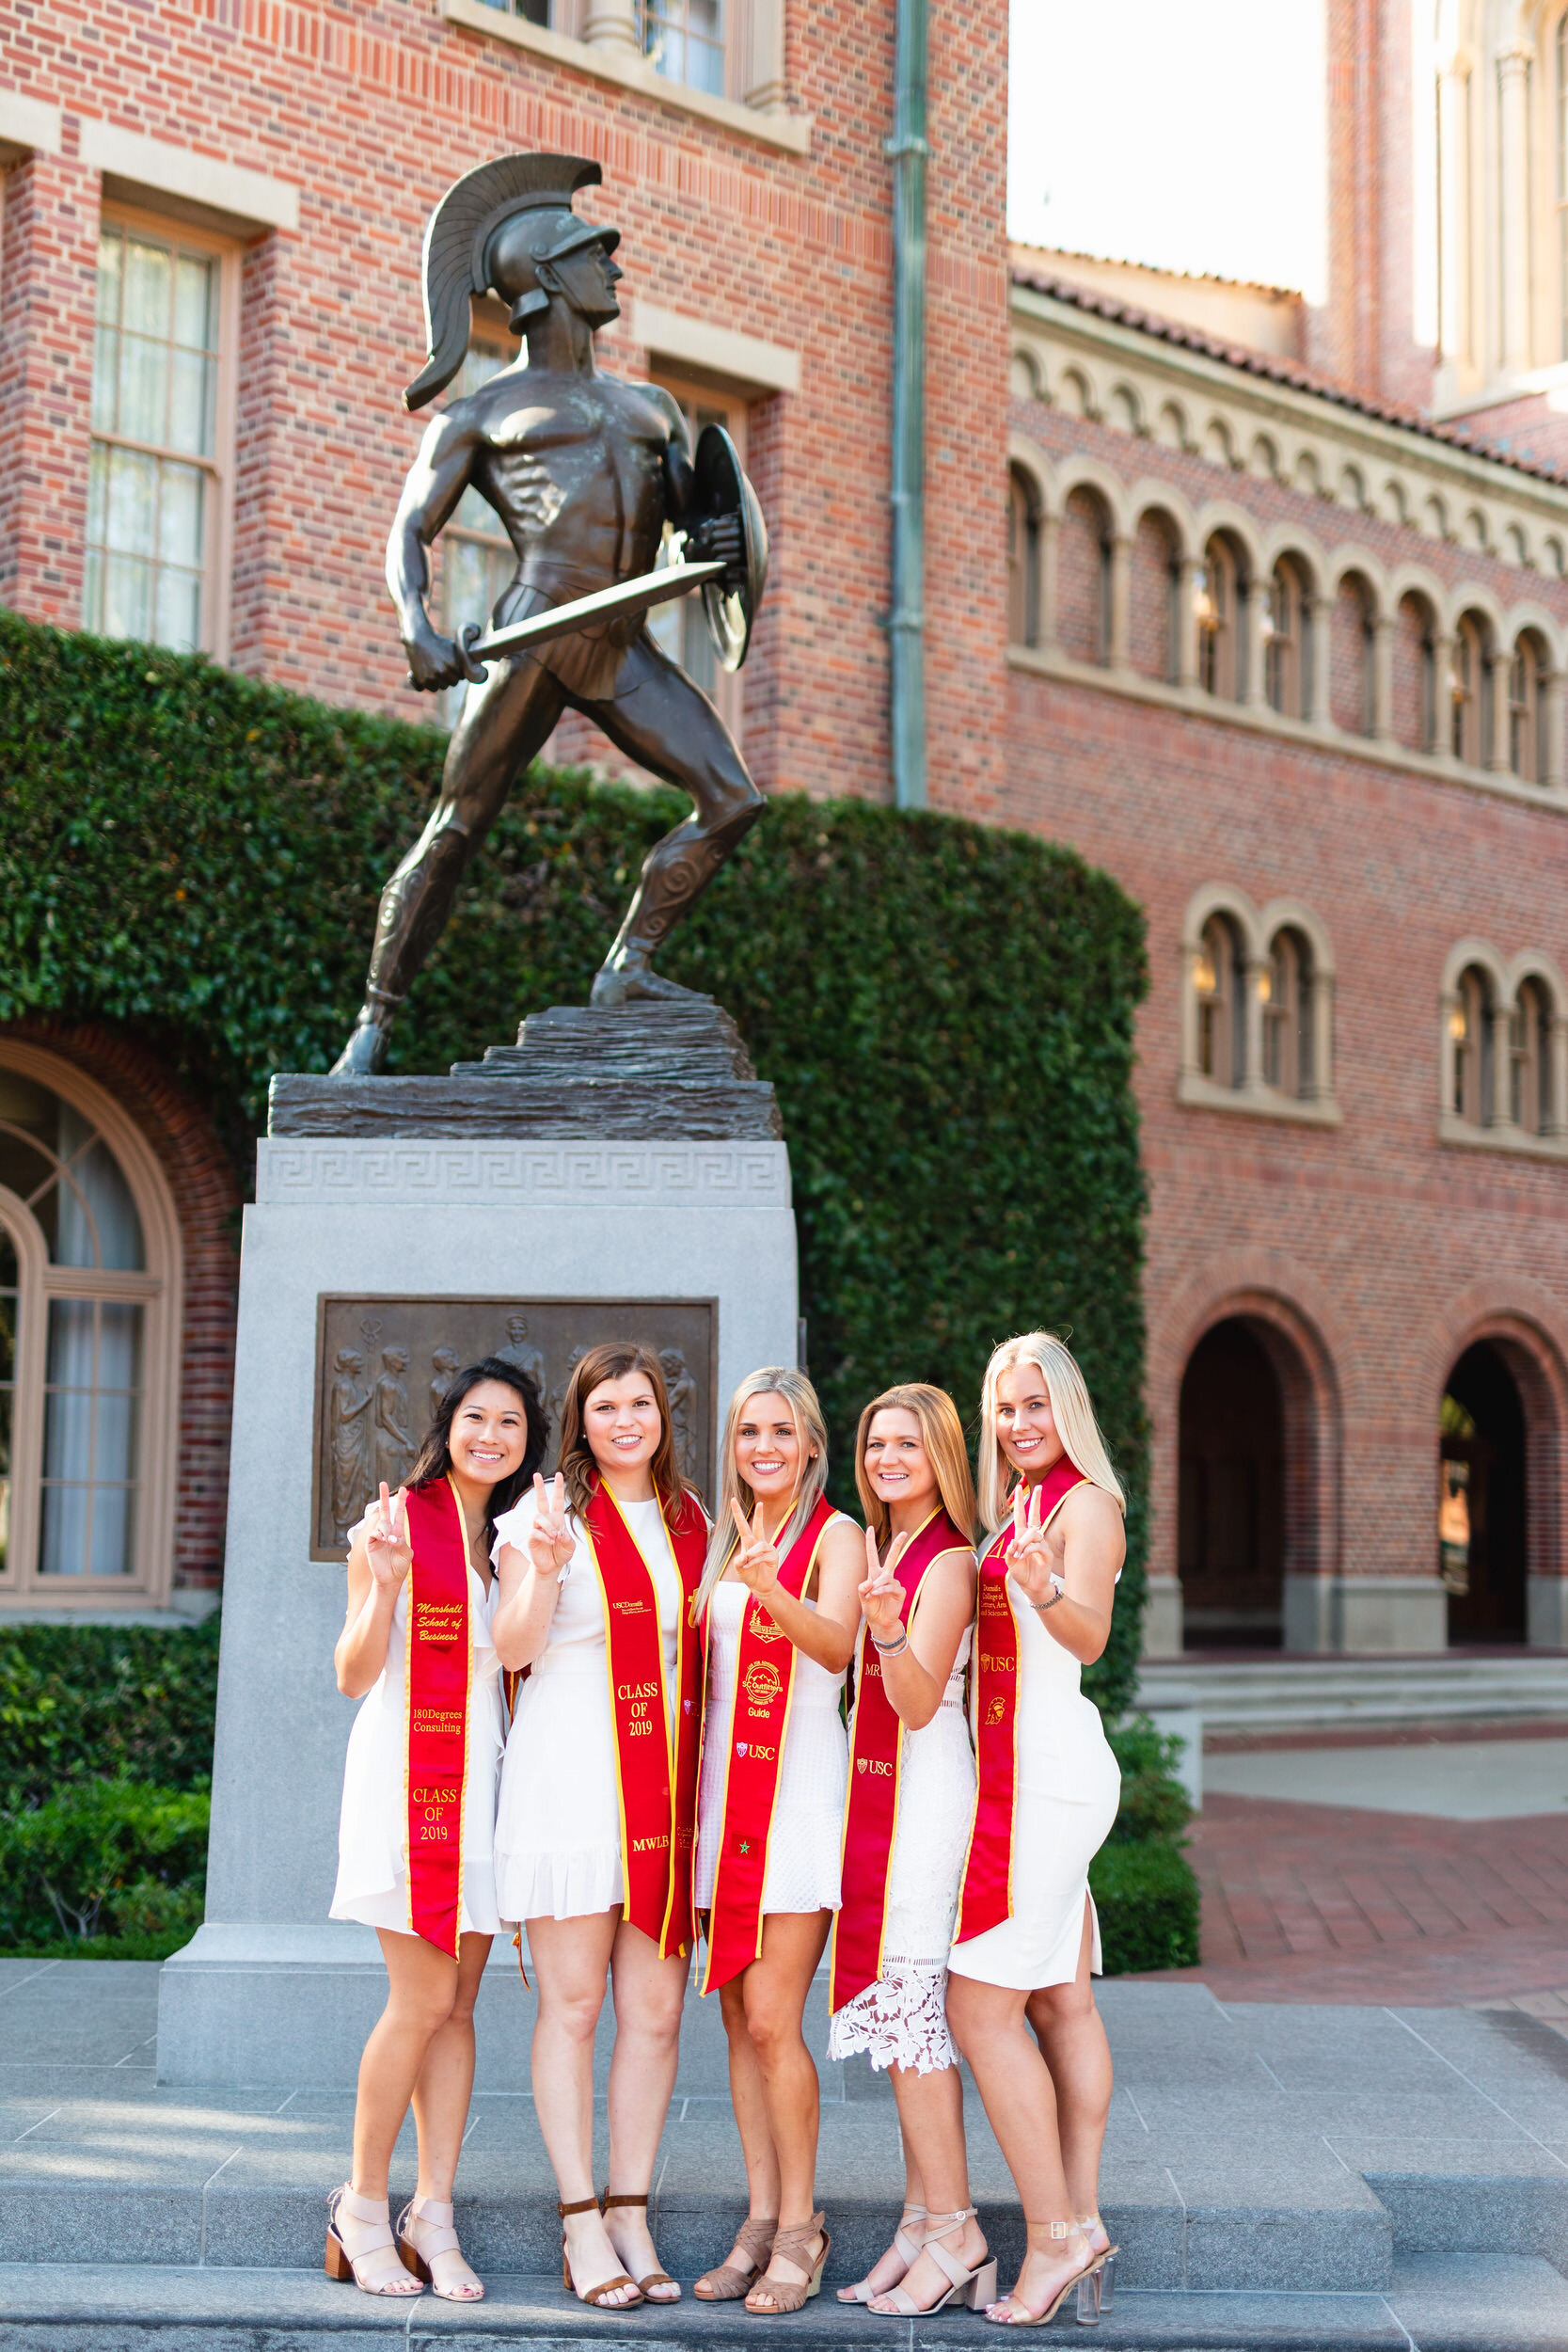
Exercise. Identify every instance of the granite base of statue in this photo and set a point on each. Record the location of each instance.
(616, 1173)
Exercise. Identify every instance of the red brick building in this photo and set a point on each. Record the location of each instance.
(1262, 607)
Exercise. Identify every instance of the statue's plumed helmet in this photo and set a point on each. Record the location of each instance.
(492, 227)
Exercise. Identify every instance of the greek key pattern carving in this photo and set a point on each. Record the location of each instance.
(320, 1172)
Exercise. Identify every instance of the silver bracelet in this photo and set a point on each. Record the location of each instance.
(892, 1649)
(1059, 1592)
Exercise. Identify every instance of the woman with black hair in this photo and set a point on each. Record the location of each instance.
(416, 1832)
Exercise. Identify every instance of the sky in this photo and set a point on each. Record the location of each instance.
(1188, 136)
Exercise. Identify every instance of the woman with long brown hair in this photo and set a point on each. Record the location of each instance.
(906, 1820)
(778, 1601)
(595, 1823)
(418, 1810)
(1019, 1998)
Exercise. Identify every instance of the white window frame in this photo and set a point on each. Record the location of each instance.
(159, 1290)
(218, 573)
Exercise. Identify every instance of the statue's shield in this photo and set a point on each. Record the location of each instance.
(731, 604)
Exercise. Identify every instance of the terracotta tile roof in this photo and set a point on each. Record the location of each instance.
(1277, 371)
(1155, 269)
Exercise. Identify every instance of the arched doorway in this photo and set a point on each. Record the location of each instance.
(1231, 1495)
(1482, 1511)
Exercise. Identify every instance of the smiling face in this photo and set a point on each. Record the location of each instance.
(489, 1434)
(768, 1450)
(896, 1463)
(1025, 1424)
(622, 1422)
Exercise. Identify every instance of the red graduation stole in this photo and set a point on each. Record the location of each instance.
(438, 1670)
(764, 1685)
(656, 1773)
(876, 1765)
(987, 1898)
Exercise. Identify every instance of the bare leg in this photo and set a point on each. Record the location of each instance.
(649, 1996)
(988, 2025)
(931, 2120)
(658, 718)
(773, 1991)
(501, 726)
(421, 1992)
(445, 2084)
(749, 2098)
(571, 1961)
(1072, 2036)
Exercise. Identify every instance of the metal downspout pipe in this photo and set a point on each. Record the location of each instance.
(908, 151)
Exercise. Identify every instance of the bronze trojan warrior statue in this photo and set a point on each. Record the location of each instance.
(585, 471)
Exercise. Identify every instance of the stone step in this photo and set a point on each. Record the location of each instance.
(1299, 1693)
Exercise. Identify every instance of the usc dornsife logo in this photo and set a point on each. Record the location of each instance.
(763, 1683)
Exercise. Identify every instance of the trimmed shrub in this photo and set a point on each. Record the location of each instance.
(945, 1008)
(90, 1701)
(1154, 1802)
(1147, 1902)
(103, 1860)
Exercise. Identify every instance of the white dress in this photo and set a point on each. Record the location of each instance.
(373, 1823)
(1067, 1793)
(558, 1820)
(808, 1811)
(901, 2020)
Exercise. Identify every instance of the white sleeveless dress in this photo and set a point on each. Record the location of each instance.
(808, 1813)
(558, 1822)
(901, 2020)
(1067, 1789)
(373, 1823)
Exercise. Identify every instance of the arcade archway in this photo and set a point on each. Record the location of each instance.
(1231, 1508)
(1483, 1507)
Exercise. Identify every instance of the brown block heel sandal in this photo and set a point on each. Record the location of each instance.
(654, 2278)
(786, 2294)
(377, 2268)
(594, 2296)
(728, 2283)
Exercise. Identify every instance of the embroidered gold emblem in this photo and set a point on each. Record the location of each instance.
(763, 1683)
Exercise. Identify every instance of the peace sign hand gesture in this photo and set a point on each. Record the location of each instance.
(387, 1544)
(756, 1558)
(1037, 1554)
(549, 1540)
(881, 1596)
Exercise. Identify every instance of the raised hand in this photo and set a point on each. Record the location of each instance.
(881, 1596)
(756, 1558)
(1037, 1554)
(387, 1544)
(549, 1540)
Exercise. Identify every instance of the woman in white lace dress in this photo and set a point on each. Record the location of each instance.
(911, 1468)
(779, 1597)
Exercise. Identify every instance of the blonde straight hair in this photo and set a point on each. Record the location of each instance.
(943, 1436)
(811, 1434)
(1070, 1409)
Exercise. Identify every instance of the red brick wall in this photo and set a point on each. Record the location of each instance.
(1151, 592)
(1081, 554)
(1412, 711)
(372, 112)
(1350, 659)
(201, 1179)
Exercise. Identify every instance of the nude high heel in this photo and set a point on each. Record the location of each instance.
(383, 2268)
(595, 2295)
(786, 2294)
(905, 2246)
(1002, 2317)
(438, 2261)
(1097, 2293)
(976, 2286)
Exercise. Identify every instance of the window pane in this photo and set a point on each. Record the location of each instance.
(192, 397)
(110, 1531)
(22, 1167)
(95, 1194)
(127, 597)
(147, 274)
(69, 1367)
(91, 1436)
(179, 496)
(111, 257)
(64, 1550)
(178, 622)
(143, 387)
(194, 287)
(105, 353)
(119, 1354)
(133, 491)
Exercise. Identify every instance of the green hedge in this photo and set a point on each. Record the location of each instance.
(1144, 1886)
(106, 1869)
(945, 1008)
(90, 1701)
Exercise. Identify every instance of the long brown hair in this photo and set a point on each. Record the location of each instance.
(942, 1434)
(433, 1460)
(611, 1361)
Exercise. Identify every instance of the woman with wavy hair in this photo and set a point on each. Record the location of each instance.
(778, 1600)
(415, 1834)
(1019, 1996)
(906, 1829)
(595, 1824)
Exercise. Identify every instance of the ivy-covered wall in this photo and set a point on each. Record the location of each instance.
(945, 1008)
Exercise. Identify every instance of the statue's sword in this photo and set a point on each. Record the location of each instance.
(605, 604)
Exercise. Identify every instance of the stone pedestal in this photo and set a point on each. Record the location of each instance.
(611, 1162)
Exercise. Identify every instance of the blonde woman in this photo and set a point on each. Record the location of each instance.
(906, 1829)
(779, 1599)
(1018, 1997)
(597, 1808)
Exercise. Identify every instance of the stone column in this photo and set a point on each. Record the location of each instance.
(1556, 1122)
(1452, 1003)
(1499, 1112)
(1049, 525)
(1549, 720)
(612, 25)
(1117, 650)
(1316, 707)
(1252, 644)
(1383, 678)
(1513, 149)
(1441, 745)
(1494, 754)
(1257, 971)
(1453, 133)
(1321, 1087)
(1187, 569)
(765, 86)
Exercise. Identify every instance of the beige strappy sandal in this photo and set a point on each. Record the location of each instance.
(975, 2286)
(904, 2246)
(438, 2261)
(595, 2295)
(729, 2282)
(784, 2294)
(377, 2267)
(654, 2278)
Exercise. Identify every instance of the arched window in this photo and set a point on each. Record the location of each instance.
(1023, 560)
(1288, 641)
(1219, 983)
(1216, 592)
(1287, 988)
(1470, 1028)
(1083, 577)
(1152, 592)
(1524, 709)
(1530, 1047)
(1415, 681)
(1470, 693)
(1350, 658)
(85, 1340)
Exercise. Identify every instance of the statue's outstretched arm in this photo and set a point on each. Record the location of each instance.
(436, 480)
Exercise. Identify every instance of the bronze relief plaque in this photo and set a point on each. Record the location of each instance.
(383, 1366)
